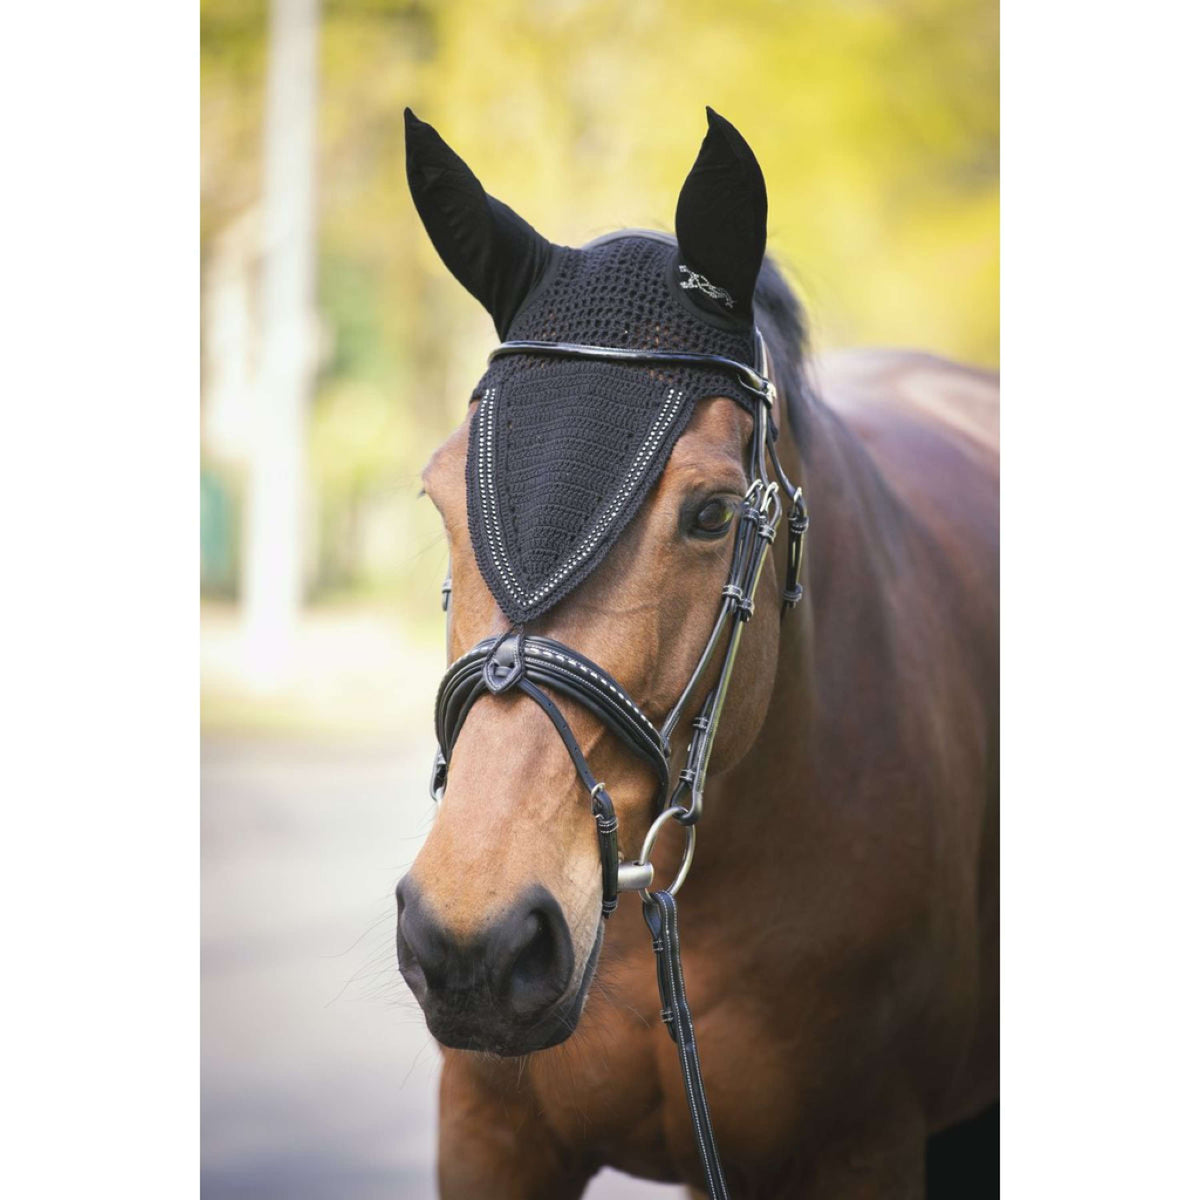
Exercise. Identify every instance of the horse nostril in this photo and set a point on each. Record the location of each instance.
(418, 948)
(541, 959)
(536, 960)
(516, 966)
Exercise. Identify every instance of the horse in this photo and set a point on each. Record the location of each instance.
(840, 919)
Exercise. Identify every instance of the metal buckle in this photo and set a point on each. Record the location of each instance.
(771, 506)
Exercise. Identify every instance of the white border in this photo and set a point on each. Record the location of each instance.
(1100, 837)
(99, 502)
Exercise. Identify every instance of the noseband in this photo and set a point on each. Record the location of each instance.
(536, 666)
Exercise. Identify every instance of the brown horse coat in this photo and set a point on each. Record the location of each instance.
(840, 925)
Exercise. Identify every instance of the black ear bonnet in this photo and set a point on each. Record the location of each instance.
(564, 451)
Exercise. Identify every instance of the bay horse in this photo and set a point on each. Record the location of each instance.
(840, 921)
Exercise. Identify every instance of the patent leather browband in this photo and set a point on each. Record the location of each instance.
(746, 375)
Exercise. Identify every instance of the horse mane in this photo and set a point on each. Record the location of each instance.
(784, 325)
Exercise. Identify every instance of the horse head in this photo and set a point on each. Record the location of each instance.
(500, 918)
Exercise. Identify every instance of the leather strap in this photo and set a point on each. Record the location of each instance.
(602, 805)
(553, 665)
(662, 920)
(793, 589)
(754, 380)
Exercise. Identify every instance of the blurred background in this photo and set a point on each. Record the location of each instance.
(337, 353)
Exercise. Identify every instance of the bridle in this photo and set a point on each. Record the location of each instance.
(534, 665)
(530, 663)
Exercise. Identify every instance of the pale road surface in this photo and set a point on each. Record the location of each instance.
(318, 1076)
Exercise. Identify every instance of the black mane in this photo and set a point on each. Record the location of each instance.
(784, 325)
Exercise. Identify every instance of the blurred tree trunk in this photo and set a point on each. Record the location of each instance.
(274, 557)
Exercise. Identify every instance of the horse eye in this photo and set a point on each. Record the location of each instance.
(714, 517)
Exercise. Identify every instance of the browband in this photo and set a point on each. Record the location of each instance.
(754, 380)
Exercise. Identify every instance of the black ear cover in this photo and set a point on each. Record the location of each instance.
(498, 257)
(721, 222)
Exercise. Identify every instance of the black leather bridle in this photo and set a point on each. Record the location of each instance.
(536, 665)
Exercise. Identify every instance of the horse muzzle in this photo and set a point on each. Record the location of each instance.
(510, 988)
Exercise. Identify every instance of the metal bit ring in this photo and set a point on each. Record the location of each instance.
(689, 849)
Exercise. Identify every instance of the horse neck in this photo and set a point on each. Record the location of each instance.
(849, 560)
(858, 523)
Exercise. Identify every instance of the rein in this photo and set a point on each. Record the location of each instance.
(531, 664)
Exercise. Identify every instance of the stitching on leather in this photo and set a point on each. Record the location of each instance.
(620, 694)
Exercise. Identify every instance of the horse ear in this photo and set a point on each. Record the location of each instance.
(491, 251)
(721, 220)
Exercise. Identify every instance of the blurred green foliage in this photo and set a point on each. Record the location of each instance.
(876, 123)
